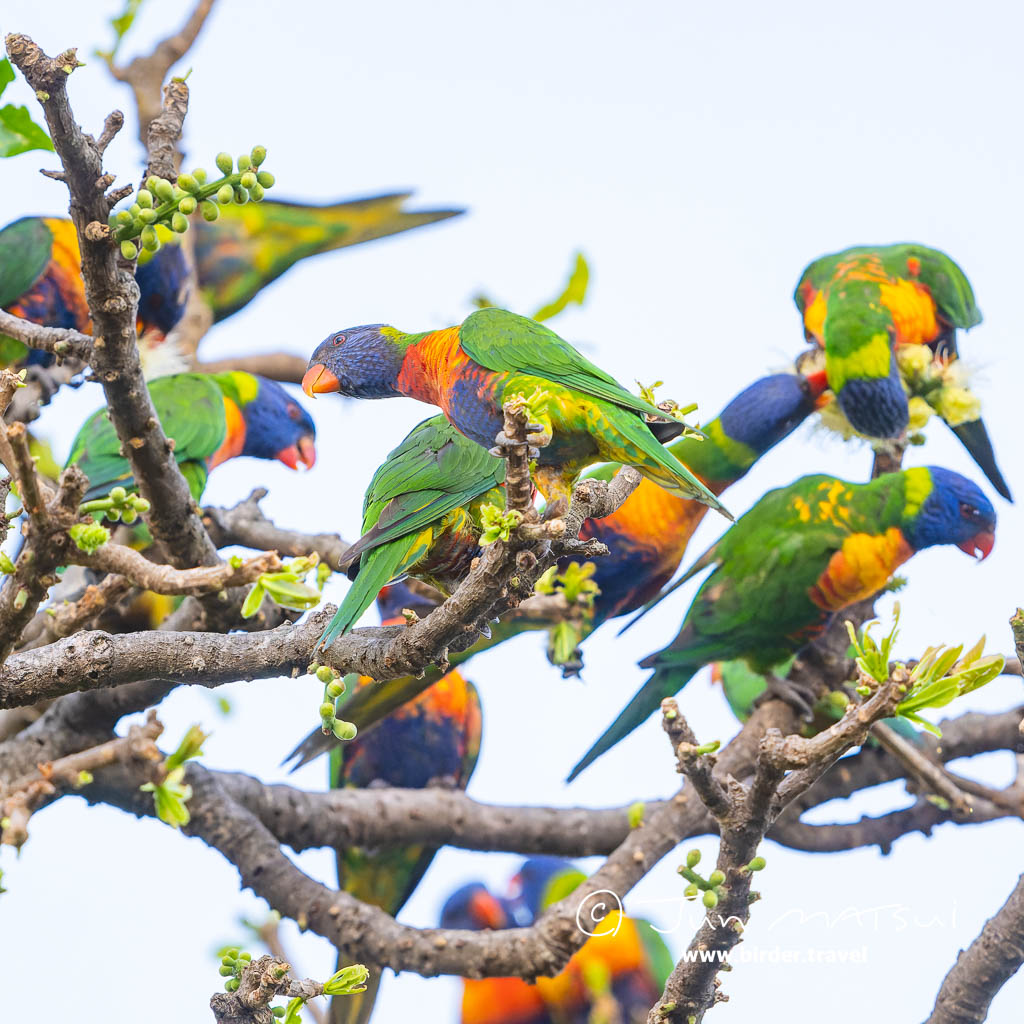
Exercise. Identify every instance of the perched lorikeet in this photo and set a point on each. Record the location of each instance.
(621, 969)
(469, 371)
(802, 553)
(862, 305)
(617, 975)
(421, 517)
(491, 1000)
(212, 418)
(433, 740)
(41, 281)
(250, 246)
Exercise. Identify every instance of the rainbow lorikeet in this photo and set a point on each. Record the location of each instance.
(469, 371)
(433, 740)
(212, 418)
(621, 969)
(618, 973)
(41, 281)
(862, 306)
(250, 246)
(802, 553)
(421, 517)
(647, 536)
(491, 1000)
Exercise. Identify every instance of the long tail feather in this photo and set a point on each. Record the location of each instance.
(667, 471)
(665, 682)
(376, 570)
(974, 437)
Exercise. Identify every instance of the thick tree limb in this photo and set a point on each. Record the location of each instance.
(984, 967)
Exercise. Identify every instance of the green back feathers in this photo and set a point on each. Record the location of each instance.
(191, 410)
(432, 472)
(507, 343)
(25, 248)
(947, 283)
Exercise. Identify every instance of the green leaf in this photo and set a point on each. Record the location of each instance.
(288, 593)
(575, 290)
(6, 74)
(19, 133)
(347, 981)
(121, 24)
(253, 600)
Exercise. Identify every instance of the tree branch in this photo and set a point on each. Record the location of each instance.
(113, 298)
(984, 967)
(59, 341)
(165, 579)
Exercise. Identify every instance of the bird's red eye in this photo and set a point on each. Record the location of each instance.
(338, 339)
(969, 511)
(295, 412)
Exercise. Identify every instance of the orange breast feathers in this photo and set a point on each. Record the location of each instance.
(500, 1001)
(431, 366)
(653, 518)
(612, 952)
(234, 438)
(860, 568)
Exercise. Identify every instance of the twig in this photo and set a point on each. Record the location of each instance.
(22, 797)
(146, 74)
(59, 341)
(246, 524)
(919, 766)
(264, 979)
(113, 297)
(165, 579)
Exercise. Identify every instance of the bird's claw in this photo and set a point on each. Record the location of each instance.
(797, 695)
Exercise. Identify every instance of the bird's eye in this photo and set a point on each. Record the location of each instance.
(338, 339)
(295, 412)
(969, 511)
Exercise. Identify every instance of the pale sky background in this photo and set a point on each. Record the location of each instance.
(700, 155)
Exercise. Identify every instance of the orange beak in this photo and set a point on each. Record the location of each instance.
(307, 452)
(318, 380)
(981, 542)
(487, 910)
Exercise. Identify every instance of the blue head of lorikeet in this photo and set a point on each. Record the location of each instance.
(361, 362)
(474, 908)
(528, 887)
(162, 283)
(955, 512)
(276, 426)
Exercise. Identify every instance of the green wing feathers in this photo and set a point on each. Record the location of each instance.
(191, 410)
(508, 343)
